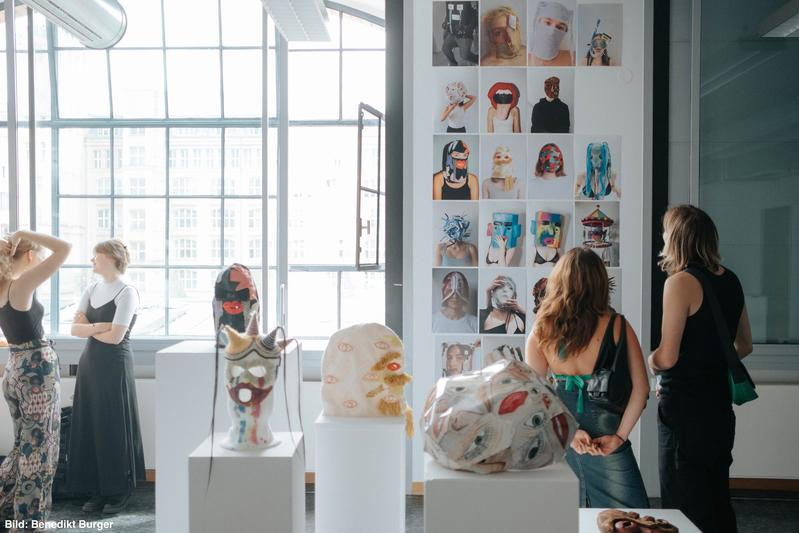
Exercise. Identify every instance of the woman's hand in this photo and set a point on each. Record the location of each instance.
(607, 444)
(581, 443)
(497, 255)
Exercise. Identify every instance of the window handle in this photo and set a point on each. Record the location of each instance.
(367, 227)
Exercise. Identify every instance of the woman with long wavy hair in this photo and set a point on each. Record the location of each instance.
(696, 423)
(573, 328)
(31, 382)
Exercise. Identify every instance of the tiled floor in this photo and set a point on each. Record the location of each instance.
(757, 513)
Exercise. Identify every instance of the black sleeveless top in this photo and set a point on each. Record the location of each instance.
(22, 326)
(700, 376)
(451, 193)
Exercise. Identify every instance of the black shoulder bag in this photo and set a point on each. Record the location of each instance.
(610, 385)
(742, 388)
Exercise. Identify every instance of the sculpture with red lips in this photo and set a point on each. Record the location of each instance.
(503, 417)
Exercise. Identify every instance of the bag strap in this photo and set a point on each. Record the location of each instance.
(603, 361)
(734, 363)
(622, 345)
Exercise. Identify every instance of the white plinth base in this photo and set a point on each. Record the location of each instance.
(543, 500)
(255, 491)
(588, 519)
(360, 474)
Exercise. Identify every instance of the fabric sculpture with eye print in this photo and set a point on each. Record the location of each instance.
(503, 417)
(505, 352)
(548, 38)
(598, 172)
(235, 298)
(548, 231)
(252, 363)
(504, 225)
(363, 374)
(618, 521)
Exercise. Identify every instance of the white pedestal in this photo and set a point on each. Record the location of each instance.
(360, 474)
(543, 500)
(255, 491)
(588, 519)
(184, 376)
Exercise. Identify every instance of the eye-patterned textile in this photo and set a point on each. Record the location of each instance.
(503, 417)
(363, 374)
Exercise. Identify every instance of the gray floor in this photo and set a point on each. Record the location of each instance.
(757, 513)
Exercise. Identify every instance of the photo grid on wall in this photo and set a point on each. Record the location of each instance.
(514, 187)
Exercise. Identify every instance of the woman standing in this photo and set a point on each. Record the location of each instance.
(573, 329)
(695, 419)
(106, 456)
(31, 383)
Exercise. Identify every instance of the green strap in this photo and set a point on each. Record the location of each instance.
(579, 382)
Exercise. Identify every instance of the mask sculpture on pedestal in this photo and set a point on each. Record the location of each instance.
(503, 417)
(363, 374)
(235, 298)
(618, 521)
(251, 368)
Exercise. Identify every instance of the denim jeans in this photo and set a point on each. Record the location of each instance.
(610, 481)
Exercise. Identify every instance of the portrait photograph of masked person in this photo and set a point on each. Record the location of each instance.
(503, 33)
(455, 33)
(548, 229)
(455, 246)
(551, 35)
(454, 181)
(550, 164)
(600, 35)
(502, 348)
(455, 104)
(454, 301)
(502, 166)
(552, 91)
(503, 114)
(504, 304)
(597, 176)
(502, 243)
(458, 356)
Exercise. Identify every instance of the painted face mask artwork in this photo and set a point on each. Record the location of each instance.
(504, 225)
(455, 92)
(598, 169)
(550, 162)
(552, 87)
(235, 298)
(504, 352)
(456, 358)
(503, 417)
(251, 366)
(363, 374)
(455, 228)
(550, 25)
(455, 162)
(504, 33)
(548, 229)
(618, 521)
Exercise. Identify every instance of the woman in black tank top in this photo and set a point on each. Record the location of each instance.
(696, 423)
(31, 382)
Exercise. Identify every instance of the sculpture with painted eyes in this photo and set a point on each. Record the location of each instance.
(363, 374)
(503, 417)
(618, 521)
(252, 362)
(235, 298)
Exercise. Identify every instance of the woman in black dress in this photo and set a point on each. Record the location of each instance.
(695, 419)
(106, 458)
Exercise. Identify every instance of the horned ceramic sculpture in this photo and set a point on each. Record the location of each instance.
(252, 363)
(363, 374)
(503, 417)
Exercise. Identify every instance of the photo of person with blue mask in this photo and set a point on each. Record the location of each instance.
(505, 231)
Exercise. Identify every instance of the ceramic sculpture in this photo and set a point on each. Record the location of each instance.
(363, 374)
(235, 298)
(616, 520)
(503, 417)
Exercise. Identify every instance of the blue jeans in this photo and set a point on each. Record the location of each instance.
(610, 481)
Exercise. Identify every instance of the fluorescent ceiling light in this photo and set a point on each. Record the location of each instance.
(95, 23)
(782, 23)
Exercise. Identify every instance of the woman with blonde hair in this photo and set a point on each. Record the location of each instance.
(695, 419)
(31, 382)
(106, 455)
(574, 328)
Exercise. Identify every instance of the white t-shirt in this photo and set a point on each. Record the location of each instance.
(465, 324)
(101, 292)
